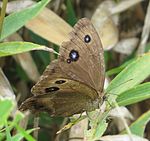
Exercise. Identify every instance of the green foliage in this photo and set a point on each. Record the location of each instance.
(15, 21)
(5, 111)
(11, 48)
(12, 23)
(125, 88)
(71, 17)
(124, 85)
(119, 69)
(23, 134)
(98, 126)
(7, 108)
(138, 126)
(131, 75)
(134, 95)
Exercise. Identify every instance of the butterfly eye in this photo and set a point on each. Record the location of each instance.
(51, 89)
(87, 38)
(60, 81)
(74, 55)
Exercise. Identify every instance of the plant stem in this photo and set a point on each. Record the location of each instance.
(2, 15)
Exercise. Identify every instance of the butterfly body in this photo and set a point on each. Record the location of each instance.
(73, 83)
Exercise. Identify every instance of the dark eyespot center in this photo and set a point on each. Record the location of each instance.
(68, 61)
(51, 89)
(60, 81)
(87, 38)
(74, 55)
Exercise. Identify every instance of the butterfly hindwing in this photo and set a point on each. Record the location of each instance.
(64, 100)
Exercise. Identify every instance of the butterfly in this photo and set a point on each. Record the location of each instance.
(74, 82)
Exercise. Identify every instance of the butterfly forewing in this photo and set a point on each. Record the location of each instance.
(88, 66)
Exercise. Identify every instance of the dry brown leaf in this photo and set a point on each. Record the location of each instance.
(78, 130)
(105, 25)
(17, 5)
(5, 87)
(126, 46)
(50, 26)
(124, 5)
(118, 115)
(145, 32)
(124, 112)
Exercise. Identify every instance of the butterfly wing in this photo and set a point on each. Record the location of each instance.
(63, 102)
(71, 84)
(53, 79)
(81, 58)
(58, 95)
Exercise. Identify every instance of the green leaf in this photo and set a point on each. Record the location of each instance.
(147, 48)
(18, 117)
(15, 21)
(19, 136)
(134, 95)
(101, 128)
(11, 48)
(132, 75)
(24, 133)
(119, 69)
(139, 125)
(98, 126)
(6, 107)
(2, 136)
(3, 13)
(70, 13)
(8, 135)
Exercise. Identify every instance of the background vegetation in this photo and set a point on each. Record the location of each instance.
(27, 29)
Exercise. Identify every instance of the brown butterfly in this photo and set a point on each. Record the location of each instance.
(73, 83)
